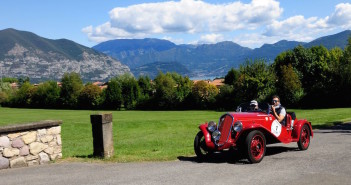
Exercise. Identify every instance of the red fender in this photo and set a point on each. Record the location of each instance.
(207, 136)
(297, 128)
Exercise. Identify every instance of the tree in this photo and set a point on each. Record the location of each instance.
(256, 81)
(9, 79)
(113, 94)
(227, 98)
(5, 92)
(71, 87)
(130, 90)
(204, 94)
(146, 88)
(165, 94)
(289, 86)
(232, 77)
(90, 97)
(345, 75)
(47, 95)
(172, 90)
(23, 97)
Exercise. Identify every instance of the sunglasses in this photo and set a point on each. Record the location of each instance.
(274, 101)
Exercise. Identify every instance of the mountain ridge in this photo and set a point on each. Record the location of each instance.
(24, 53)
(211, 59)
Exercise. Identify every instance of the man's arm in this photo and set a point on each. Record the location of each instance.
(278, 117)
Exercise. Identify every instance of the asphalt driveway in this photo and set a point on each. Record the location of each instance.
(327, 161)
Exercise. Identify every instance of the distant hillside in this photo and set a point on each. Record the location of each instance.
(153, 69)
(331, 41)
(206, 59)
(26, 54)
(270, 51)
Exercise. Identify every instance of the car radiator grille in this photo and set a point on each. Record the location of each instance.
(225, 125)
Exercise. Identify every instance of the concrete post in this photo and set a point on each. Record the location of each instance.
(102, 135)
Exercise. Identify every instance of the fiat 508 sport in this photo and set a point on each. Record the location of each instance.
(249, 131)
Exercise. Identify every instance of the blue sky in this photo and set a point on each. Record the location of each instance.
(248, 23)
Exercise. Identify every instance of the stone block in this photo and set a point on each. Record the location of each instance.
(52, 144)
(18, 162)
(10, 152)
(4, 141)
(4, 163)
(43, 158)
(17, 143)
(54, 130)
(102, 135)
(24, 151)
(29, 137)
(47, 138)
(49, 150)
(33, 163)
(41, 132)
(57, 149)
(58, 138)
(37, 147)
(53, 156)
(14, 135)
(32, 157)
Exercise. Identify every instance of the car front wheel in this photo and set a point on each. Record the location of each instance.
(304, 141)
(200, 147)
(255, 146)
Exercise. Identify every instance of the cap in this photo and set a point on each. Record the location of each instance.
(253, 102)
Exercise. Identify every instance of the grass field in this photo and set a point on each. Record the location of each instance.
(144, 135)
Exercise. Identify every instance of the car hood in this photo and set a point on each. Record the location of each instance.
(244, 116)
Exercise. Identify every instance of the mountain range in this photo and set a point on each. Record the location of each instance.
(200, 61)
(25, 54)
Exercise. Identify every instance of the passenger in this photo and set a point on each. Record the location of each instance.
(278, 110)
(254, 106)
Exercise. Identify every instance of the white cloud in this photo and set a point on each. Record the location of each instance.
(261, 18)
(299, 28)
(211, 38)
(176, 41)
(185, 16)
(341, 16)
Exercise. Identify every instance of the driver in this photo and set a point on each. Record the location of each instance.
(254, 105)
(278, 110)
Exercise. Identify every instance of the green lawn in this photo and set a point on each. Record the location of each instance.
(143, 135)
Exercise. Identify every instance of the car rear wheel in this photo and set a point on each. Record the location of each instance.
(304, 141)
(255, 146)
(200, 147)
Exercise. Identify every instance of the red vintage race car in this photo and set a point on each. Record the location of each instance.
(249, 132)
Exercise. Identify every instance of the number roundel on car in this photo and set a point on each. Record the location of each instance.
(276, 128)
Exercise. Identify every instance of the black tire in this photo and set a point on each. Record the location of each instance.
(305, 137)
(200, 147)
(255, 145)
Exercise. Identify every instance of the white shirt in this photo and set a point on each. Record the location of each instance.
(282, 111)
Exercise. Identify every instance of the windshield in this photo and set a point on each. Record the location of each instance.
(245, 107)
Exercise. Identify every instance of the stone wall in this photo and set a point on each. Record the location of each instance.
(30, 144)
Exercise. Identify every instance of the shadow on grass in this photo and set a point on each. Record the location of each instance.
(235, 157)
(90, 156)
(333, 127)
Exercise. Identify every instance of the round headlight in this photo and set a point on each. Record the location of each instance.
(238, 126)
(211, 126)
(216, 135)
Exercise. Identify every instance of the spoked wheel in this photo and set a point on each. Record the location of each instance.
(200, 147)
(256, 146)
(304, 141)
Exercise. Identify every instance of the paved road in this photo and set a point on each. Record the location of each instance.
(327, 161)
